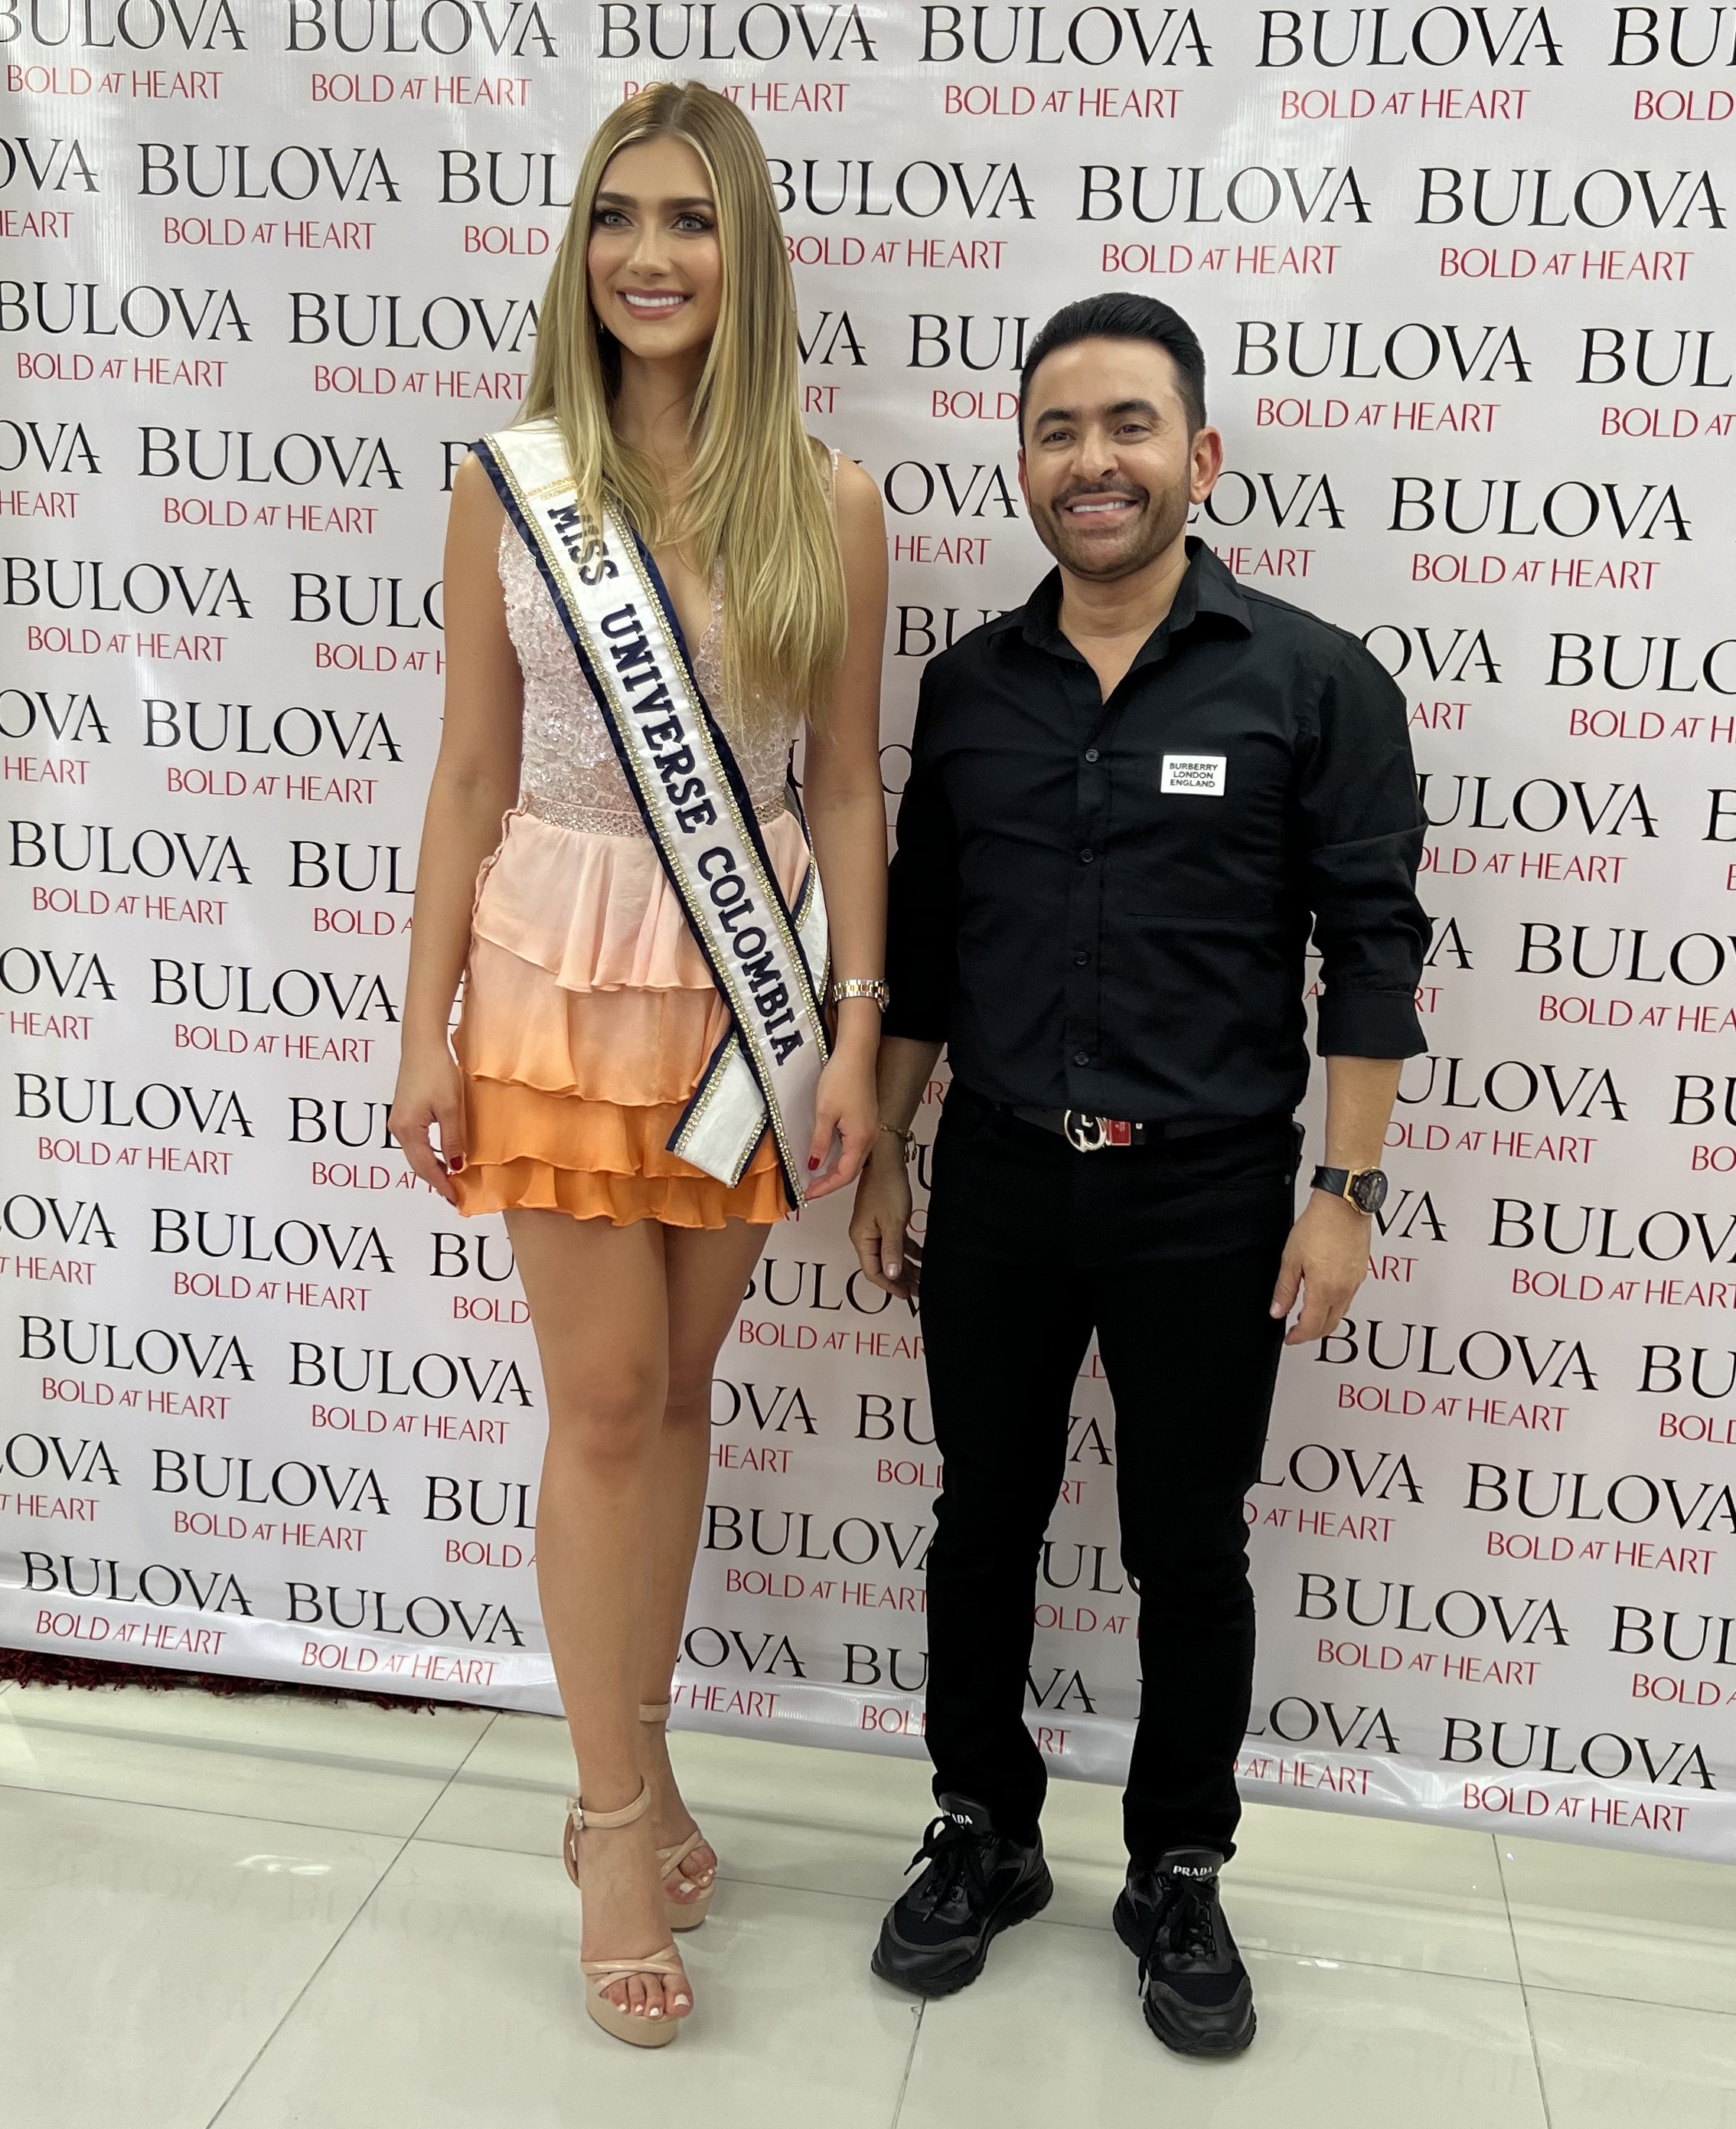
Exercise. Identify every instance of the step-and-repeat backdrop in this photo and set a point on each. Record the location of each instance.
(1463, 275)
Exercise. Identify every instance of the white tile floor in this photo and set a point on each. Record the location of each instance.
(281, 1914)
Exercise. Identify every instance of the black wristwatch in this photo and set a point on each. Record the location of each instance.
(1364, 1188)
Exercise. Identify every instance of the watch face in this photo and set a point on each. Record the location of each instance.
(1367, 1191)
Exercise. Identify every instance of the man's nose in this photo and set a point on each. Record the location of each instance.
(1095, 457)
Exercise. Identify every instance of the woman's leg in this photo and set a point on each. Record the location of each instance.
(708, 1273)
(600, 1312)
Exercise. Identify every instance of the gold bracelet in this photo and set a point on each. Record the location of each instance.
(867, 987)
(906, 1139)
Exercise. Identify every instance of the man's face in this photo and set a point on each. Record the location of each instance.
(1107, 467)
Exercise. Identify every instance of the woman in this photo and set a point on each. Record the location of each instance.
(665, 387)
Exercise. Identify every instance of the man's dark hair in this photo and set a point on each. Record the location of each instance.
(1123, 316)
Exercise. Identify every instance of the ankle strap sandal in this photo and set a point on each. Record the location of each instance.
(638, 2029)
(680, 1914)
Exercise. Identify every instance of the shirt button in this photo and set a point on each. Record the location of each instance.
(1081, 1057)
(1087, 855)
(1082, 959)
(1090, 754)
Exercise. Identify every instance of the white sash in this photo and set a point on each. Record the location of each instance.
(768, 965)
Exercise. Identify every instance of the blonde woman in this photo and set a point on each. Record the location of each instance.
(633, 645)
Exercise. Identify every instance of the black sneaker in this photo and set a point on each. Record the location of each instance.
(1197, 1996)
(977, 1882)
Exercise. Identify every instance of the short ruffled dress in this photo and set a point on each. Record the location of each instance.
(589, 1013)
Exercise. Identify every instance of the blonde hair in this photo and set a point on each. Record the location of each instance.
(756, 500)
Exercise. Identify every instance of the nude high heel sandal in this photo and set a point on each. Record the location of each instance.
(681, 1914)
(641, 2031)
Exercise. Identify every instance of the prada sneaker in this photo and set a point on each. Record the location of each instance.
(977, 1882)
(1197, 1997)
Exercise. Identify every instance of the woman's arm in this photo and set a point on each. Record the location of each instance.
(475, 782)
(846, 811)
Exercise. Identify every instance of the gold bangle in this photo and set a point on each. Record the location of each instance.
(906, 1139)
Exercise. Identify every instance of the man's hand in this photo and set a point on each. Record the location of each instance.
(1326, 1259)
(880, 1224)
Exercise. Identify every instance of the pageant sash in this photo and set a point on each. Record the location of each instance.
(769, 963)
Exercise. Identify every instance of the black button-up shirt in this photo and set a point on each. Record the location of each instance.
(1104, 905)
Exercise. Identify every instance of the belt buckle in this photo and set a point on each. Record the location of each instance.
(1089, 1134)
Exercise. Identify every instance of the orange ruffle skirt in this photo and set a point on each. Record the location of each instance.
(588, 1018)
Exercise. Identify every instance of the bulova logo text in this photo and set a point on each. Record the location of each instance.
(378, 1371)
(352, 1121)
(50, 165)
(72, 585)
(1575, 1497)
(209, 1112)
(1709, 1372)
(87, 309)
(1409, 353)
(1553, 199)
(239, 988)
(1606, 1755)
(1642, 661)
(1624, 953)
(505, 325)
(70, 450)
(1608, 360)
(426, 1618)
(1467, 656)
(761, 30)
(984, 192)
(1313, 1467)
(107, 26)
(117, 1583)
(1290, 500)
(106, 1346)
(355, 1489)
(1513, 1087)
(774, 1407)
(1540, 806)
(46, 1457)
(296, 459)
(1025, 35)
(1696, 36)
(152, 854)
(1682, 1637)
(1485, 1356)
(24, 970)
(1431, 37)
(348, 868)
(1514, 509)
(522, 177)
(1299, 1722)
(1198, 196)
(1462, 1615)
(363, 602)
(494, 1503)
(854, 1541)
(180, 1230)
(82, 1224)
(435, 29)
(1606, 1233)
(239, 728)
(223, 170)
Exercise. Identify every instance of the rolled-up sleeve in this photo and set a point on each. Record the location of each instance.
(922, 896)
(1362, 840)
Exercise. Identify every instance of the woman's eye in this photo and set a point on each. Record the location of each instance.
(608, 217)
(693, 225)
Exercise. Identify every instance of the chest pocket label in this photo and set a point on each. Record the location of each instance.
(1197, 775)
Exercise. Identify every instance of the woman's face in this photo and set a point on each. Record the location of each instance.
(654, 262)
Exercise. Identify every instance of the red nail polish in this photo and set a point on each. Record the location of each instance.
(455, 1164)
(812, 1161)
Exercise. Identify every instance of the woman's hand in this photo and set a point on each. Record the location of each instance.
(849, 1106)
(430, 1091)
(880, 1225)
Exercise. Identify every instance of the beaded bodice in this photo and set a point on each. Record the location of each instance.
(569, 773)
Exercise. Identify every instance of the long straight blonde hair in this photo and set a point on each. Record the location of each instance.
(756, 500)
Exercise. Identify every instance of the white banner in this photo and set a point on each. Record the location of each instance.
(1463, 277)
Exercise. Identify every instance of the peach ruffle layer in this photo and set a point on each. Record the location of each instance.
(589, 1016)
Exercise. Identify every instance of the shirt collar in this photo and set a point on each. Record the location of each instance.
(1206, 593)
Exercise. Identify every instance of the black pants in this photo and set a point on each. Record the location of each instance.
(1169, 1252)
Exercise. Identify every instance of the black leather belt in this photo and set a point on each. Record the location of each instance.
(1088, 1134)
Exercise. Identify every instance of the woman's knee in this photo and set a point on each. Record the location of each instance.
(612, 1416)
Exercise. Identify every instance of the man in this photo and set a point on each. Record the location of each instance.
(1130, 803)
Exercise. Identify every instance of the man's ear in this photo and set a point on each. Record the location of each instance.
(1206, 455)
